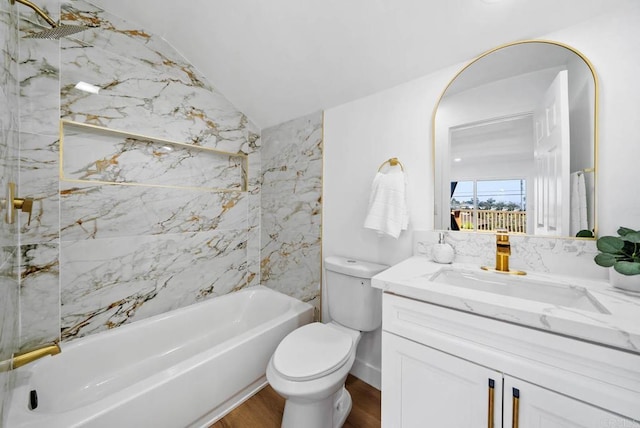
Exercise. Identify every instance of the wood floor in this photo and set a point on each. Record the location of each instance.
(264, 410)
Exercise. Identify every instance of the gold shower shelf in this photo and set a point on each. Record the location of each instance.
(107, 156)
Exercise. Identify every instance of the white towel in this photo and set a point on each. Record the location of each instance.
(388, 212)
(578, 203)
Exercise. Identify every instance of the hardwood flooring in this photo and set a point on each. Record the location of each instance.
(264, 410)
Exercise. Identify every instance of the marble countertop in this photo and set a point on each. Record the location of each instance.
(620, 328)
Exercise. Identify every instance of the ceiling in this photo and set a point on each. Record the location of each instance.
(280, 59)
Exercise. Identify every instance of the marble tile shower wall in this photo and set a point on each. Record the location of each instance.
(8, 172)
(97, 256)
(291, 207)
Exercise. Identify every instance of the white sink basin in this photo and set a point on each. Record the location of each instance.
(522, 287)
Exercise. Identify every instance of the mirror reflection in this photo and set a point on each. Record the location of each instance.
(515, 143)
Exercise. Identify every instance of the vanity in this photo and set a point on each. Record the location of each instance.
(462, 347)
(515, 137)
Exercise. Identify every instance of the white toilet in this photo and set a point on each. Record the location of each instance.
(311, 364)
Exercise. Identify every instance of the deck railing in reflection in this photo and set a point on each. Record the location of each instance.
(489, 220)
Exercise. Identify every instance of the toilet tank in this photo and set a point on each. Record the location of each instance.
(351, 299)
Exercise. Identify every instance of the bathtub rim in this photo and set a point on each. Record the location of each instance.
(20, 414)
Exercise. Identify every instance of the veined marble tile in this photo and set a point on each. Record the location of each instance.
(8, 71)
(292, 266)
(106, 211)
(293, 142)
(39, 180)
(8, 173)
(9, 311)
(160, 102)
(39, 295)
(112, 31)
(30, 22)
(254, 204)
(253, 240)
(100, 156)
(128, 252)
(51, 8)
(291, 204)
(39, 86)
(8, 330)
(110, 282)
(8, 304)
(291, 190)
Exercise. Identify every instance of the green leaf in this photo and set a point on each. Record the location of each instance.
(627, 268)
(605, 259)
(632, 237)
(622, 231)
(585, 233)
(610, 244)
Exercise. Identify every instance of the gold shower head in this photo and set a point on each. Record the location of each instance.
(57, 30)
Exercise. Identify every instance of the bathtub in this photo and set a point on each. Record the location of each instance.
(185, 368)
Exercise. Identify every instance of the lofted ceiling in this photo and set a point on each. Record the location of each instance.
(277, 60)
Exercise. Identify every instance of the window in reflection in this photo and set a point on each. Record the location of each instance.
(488, 205)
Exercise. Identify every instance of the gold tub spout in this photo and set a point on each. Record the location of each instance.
(30, 356)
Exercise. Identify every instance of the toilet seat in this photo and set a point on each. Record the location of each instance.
(311, 352)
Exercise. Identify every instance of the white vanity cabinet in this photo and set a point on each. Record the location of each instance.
(438, 366)
(423, 387)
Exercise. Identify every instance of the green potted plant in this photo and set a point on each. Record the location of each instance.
(622, 254)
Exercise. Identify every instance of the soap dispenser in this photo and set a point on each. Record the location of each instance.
(442, 252)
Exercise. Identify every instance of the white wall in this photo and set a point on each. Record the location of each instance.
(362, 134)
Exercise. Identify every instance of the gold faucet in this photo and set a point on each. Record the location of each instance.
(29, 356)
(503, 251)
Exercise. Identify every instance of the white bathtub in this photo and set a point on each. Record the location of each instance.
(185, 368)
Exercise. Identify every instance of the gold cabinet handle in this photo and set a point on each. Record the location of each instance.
(515, 409)
(492, 389)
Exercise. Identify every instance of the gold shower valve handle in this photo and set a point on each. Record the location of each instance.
(25, 205)
(12, 204)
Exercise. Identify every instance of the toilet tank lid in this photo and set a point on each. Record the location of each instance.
(353, 267)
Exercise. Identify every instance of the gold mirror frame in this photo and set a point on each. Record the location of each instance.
(595, 125)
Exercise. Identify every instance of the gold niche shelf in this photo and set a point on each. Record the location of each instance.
(108, 156)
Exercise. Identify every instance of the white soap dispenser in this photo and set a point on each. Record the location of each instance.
(442, 252)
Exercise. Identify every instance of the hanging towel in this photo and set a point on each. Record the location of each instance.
(388, 212)
(578, 203)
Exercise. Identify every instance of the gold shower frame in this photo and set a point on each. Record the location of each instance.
(88, 127)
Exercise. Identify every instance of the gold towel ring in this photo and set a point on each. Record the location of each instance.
(391, 162)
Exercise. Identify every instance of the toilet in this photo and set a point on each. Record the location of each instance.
(309, 367)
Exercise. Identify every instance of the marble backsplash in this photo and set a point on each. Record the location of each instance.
(562, 256)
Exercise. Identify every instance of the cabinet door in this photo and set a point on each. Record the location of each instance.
(423, 387)
(530, 406)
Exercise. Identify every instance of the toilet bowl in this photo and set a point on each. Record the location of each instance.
(311, 364)
(309, 370)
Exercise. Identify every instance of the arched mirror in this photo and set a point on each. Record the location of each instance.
(515, 140)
